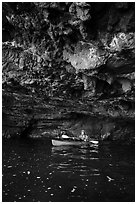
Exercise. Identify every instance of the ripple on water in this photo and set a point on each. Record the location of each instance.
(28, 172)
(63, 164)
(94, 158)
(9, 167)
(74, 188)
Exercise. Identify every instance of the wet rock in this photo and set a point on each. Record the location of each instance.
(53, 44)
(96, 86)
(122, 41)
(70, 69)
(123, 85)
(127, 105)
(85, 56)
(81, 10)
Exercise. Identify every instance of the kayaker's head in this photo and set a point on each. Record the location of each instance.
(63, 132)
(82, 132)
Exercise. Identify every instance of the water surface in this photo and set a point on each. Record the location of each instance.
(33, 170)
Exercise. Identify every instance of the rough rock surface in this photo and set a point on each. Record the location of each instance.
(64, 61)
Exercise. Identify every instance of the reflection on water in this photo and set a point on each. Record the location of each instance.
(36, 171)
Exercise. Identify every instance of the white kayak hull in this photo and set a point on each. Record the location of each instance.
(58, 142)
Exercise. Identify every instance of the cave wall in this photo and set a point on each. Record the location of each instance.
(78, 51)
(84, 36)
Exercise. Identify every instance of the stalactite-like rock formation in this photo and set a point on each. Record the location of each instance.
(67, 52)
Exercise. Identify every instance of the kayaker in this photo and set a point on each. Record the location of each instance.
(64, 135)
(84, 136)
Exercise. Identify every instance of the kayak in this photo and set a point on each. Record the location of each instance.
(60, 142)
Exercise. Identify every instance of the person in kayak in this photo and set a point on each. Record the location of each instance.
(84, 136)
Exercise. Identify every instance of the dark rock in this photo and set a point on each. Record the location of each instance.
(47, 46)
(122, 85)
